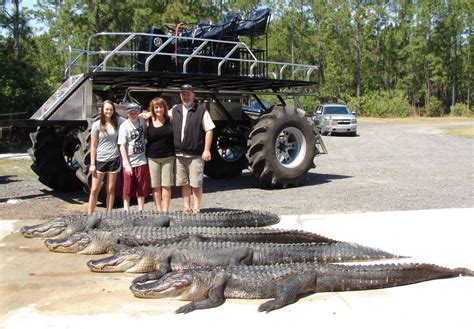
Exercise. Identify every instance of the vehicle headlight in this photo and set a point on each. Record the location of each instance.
(353, 120)
(327, 118)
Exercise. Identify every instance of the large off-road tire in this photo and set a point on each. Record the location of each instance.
(227, 154)
(282, 147)
(82, 156)
(52, 153)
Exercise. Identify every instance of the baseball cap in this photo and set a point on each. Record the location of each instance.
(187, 87)
(133, 107)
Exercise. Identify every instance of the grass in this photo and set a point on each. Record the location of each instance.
(461, 131)
(414, 120)
(466, 131)
(16, 167)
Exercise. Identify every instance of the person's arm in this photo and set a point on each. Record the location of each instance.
(206, 155)
(145, 115)
(208, 125)
(126, 163)
(92, 165)
(122, 142)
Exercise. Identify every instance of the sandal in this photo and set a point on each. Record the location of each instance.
(186, 210)
(196, 211)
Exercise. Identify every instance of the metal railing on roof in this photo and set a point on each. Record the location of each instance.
(122, 55)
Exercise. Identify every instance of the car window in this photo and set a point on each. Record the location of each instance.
(336, 110)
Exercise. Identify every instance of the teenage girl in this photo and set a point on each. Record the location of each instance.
(105, 155)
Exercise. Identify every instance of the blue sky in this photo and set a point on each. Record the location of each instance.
(37, 27)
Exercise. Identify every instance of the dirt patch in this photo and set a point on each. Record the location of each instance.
(22, 196)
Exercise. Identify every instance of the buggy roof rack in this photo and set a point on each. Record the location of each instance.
(165, 80)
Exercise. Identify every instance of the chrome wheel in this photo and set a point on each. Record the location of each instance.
(290, 147)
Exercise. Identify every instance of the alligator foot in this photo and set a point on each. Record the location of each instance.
(186, 308)
(155, 275)
(296, 286)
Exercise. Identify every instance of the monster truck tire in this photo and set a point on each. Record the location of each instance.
(47, 153)
(82, 156)
(282, 147)
(227, 156)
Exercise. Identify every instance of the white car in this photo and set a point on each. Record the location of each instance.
(335, 118)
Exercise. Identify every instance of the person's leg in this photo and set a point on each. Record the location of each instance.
(182, 179)
(196, 178)
(95, 189)
(166, 198)
(167, 180)
(197, 197)
(111, 182)
(141, 202)
(157, 198)
(127, 189)
(142, 182)
(155, 169)
(186, 192)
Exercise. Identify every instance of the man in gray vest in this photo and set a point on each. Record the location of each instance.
(192, 130)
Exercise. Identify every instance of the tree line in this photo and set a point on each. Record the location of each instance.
(383, 58)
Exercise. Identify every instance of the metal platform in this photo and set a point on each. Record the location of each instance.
(120, 59)
(166, 80)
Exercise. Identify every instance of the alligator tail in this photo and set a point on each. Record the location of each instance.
(464, 271)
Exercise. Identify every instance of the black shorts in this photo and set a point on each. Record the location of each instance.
(111, 166)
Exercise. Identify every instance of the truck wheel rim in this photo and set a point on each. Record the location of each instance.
(228, 150)
(290, 147)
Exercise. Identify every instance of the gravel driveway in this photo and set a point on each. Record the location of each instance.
(386, 167)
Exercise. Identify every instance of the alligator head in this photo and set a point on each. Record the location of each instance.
(48, 229)
(173, 284)
(127, 260)
(57, 228)
(90, 243)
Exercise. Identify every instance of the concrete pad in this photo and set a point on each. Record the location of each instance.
(41, 289)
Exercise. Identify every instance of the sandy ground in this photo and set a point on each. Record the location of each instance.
(41, 289)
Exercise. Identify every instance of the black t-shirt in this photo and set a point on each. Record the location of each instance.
(159, 141)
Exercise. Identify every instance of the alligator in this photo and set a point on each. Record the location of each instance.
(158, 260)
(285, 283)
(64, 227)
(103, 241)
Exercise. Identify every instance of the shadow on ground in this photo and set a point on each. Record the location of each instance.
(247, 181)
(318, 179)
(76, 197)
(7, 179)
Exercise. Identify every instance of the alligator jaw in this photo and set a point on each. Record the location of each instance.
(44, 230)
(172, 284)
(73, 244)
(106, 265)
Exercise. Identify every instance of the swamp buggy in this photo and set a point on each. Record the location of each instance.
(277, 143)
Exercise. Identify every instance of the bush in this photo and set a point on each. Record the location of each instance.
(461, 110)
(434, 107)
(382, 105)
